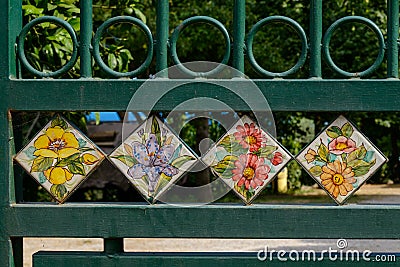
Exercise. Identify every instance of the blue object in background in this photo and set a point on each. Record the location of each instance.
(108, 116)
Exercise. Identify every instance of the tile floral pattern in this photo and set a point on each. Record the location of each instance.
(59, 157)
(341, 159)
(247, 159)
(153, 158)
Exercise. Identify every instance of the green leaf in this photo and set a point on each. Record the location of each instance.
(145, 179)
(120, 63)
(334, 132)
(225, 166)
(42, 178)
(127, 160)
(85, 149)
(359, 153)
(316, 171)
(347, 130)
(51, 7)
(70, 2)
(323, 152)
(127, 53)
(155, 129)
(76, 167)
(41, 164)
(359, 171)
(357, 163)
(97, 117)
(162, 182)
(59, 122)
(48, 50)
(178, 162)
(265, 151)
(66, 5)
(82, 142)
(249, 194)
(74, 10)
(32, 10)
(331, 157)
(232, 146)
(140, 15)
(29, 152)
(362, 167)
(112, 61)
(59, 190)
(75, 23)
(240, 189)
(176, 153)
(66, 161)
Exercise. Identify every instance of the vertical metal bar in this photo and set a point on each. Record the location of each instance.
(113, 245)
(315, 38)
(239, 23)
(85, 38)
(11, 151)
(6, 253)
(17, 249)
(7, 190)
(11, 21)
(392, 37)
(162, 32)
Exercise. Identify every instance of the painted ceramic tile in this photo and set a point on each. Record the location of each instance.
(59, 157)
(153, 158)
(247, 158)
(341, 159)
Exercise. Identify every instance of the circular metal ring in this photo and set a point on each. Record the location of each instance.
(193, 20)
(105, 26)
(21, 46)
(369, 24)
(284, 20)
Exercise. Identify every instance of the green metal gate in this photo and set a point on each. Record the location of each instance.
(113, 222)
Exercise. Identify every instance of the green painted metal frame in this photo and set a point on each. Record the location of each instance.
(116, 221)
(178, 259)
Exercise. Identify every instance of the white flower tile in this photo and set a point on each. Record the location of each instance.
(153, 158)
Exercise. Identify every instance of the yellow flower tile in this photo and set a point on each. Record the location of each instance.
(59, 158)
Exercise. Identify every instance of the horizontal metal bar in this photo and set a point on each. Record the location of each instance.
(61, 259)
(211, 221)
(282, 95)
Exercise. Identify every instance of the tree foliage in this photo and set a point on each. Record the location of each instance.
(49, 47)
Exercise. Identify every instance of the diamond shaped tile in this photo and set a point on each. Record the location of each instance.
(247, 158)
(59, 158)
(153, 158)
(341, 159)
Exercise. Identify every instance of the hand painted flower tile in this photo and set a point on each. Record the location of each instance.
(247, 159)
(153, 158)
(341, 159)
(59, 157)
